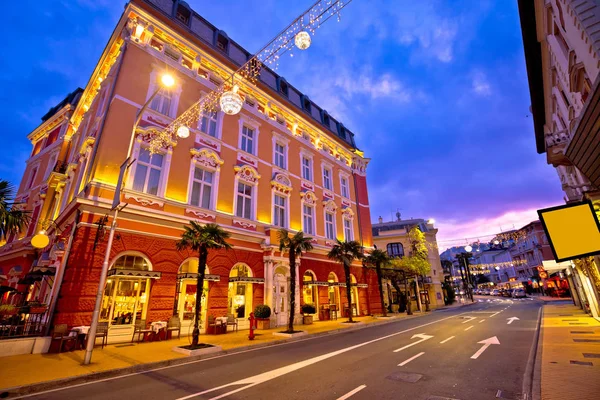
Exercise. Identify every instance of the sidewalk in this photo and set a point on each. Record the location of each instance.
(570, 362)
(31, 369)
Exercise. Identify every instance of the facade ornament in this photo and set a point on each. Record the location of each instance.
(348, 213)
(247, 173)
(201, 214)
(281, 183)
(149, 134)
(144, 201)
(207, 158)
(359, 165)
(330, 206)
(309, 197)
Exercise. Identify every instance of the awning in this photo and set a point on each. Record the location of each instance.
(340, 284)
(246, 279)
(194, 275)
(5, 289)
(552, 266)
(315, 283)
(134, 273)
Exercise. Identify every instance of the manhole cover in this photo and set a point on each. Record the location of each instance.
(405, 377)
(591, 355)
(589, 364)
(586, 340)
(582, 332)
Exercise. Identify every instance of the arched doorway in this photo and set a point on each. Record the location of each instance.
(281, 296)
(127, 290)
(187, 280)
(240, 294)
(333, 291)
(354, 294)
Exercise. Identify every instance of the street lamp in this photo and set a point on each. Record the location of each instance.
(166, 81)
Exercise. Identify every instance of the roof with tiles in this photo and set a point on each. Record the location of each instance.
(72, 99)
(399, 224)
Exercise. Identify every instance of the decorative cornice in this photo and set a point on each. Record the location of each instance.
(330, 206)
(244, 224)
(282, 184)
(348, 213)
(206, 157)
(247, 173)
(309, 198)
(203, 215)
(143, 200)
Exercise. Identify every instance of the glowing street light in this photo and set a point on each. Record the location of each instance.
(183, 132)
(167, 80)
(468, 248)
(302, 40)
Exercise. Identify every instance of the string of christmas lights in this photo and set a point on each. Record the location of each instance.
(296, 35)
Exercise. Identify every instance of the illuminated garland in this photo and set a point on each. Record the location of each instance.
(504, 264)
(309, 21)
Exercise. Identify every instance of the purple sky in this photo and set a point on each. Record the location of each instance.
(435, 91)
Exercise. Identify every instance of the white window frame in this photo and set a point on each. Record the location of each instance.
(254, 195)
(254, 125)
(348, 230)
(347, 186)
(333, 223)
(214, 185)
(306, 155)
(286, 211)
(313, 218)
(284, 142)
(175, 92)
(327, 167)
(35, 169)
(218, 128)
(162, 183)
(51, 163)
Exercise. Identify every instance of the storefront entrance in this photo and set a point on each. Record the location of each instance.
(280, 297)
(187, 281)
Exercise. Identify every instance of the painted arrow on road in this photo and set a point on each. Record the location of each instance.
(511, 319)
(469, 320)
(486, 343)
(421, 336)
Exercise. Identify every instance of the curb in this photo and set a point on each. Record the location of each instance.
(531, 388)
(27, 390)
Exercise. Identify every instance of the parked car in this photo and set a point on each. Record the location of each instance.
(495, 292)
(507, 293)
(486, 292)
(519, 293)
(477, 291)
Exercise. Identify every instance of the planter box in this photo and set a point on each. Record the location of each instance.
(263, 323)
(197, 352)
(307, 319)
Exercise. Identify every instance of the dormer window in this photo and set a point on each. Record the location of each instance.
(222, 43)
(183, 14)
(306, 105)
(283, 87)
(326, 119)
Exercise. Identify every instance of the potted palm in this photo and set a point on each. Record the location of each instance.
(307, 313)
(345, 253)
(262, 312)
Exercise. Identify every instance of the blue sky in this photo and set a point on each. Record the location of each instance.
(435, 91)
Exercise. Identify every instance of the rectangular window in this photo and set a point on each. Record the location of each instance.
(244, 201)
(32, 178)
(307, 168)
(345, 190)
(279, 211)
(147, 172)
(348, 230)
(329, 226)
(279, 155)
(202, 188)
(247, 140)
(162, 102)
(208, 123)
(327, 179)
(308, 219)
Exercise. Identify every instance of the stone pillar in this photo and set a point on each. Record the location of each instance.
(268, 292)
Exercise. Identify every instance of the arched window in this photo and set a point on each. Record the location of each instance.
(240, 291)
(310, 291)
(186, 304)
(395, 250)
(126, 292)
(333, 291)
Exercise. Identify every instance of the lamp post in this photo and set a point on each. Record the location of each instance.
(166, 81)
(467, 271)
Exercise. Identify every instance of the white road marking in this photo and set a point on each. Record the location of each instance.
(511, 320)
(471, 319)
(447, 340)
(423, 338)
(486, 343)
(468, 328)
(353, 392)
(403, 363)
(496, 313)
(481, 320)
(266, 376)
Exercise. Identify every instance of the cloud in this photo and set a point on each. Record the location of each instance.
(480, 84)
(375, 87)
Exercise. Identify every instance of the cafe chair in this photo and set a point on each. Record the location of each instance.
(174, 324)
(231, 320)
(333, 312)
(102, 332)
(140, 330)
(62, 333)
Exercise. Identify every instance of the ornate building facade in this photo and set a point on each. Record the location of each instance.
(282, 162)
(562, 53)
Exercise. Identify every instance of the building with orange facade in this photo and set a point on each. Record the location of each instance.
(281, 162)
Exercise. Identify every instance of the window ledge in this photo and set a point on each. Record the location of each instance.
(245, 224)
(202, 214)
(144, 199)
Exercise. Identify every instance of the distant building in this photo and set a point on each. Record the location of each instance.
(530, 250)
(393, 238)
(492, 263)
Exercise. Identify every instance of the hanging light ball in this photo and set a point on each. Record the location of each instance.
(231, 102)
(468, 248)
(302, 40)
(183, 132)
(496, 242)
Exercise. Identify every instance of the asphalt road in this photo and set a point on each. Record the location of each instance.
(472, 353)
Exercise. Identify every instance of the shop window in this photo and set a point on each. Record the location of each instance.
(187, 289)
(147, 172)
(240, 291)
(333, 290)
(310, 291)
(125, 298)
(354, 295)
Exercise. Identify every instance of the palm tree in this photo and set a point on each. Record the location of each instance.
(295, 245)
(202, 238)
(13, 220)
(379, 258)
(345, 253)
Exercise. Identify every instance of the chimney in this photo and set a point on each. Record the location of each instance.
(380, 220)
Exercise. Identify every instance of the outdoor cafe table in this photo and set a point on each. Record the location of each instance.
(220, 325)
(81, 333)
(156, 327)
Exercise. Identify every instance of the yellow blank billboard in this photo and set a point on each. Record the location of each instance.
(573, 230)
